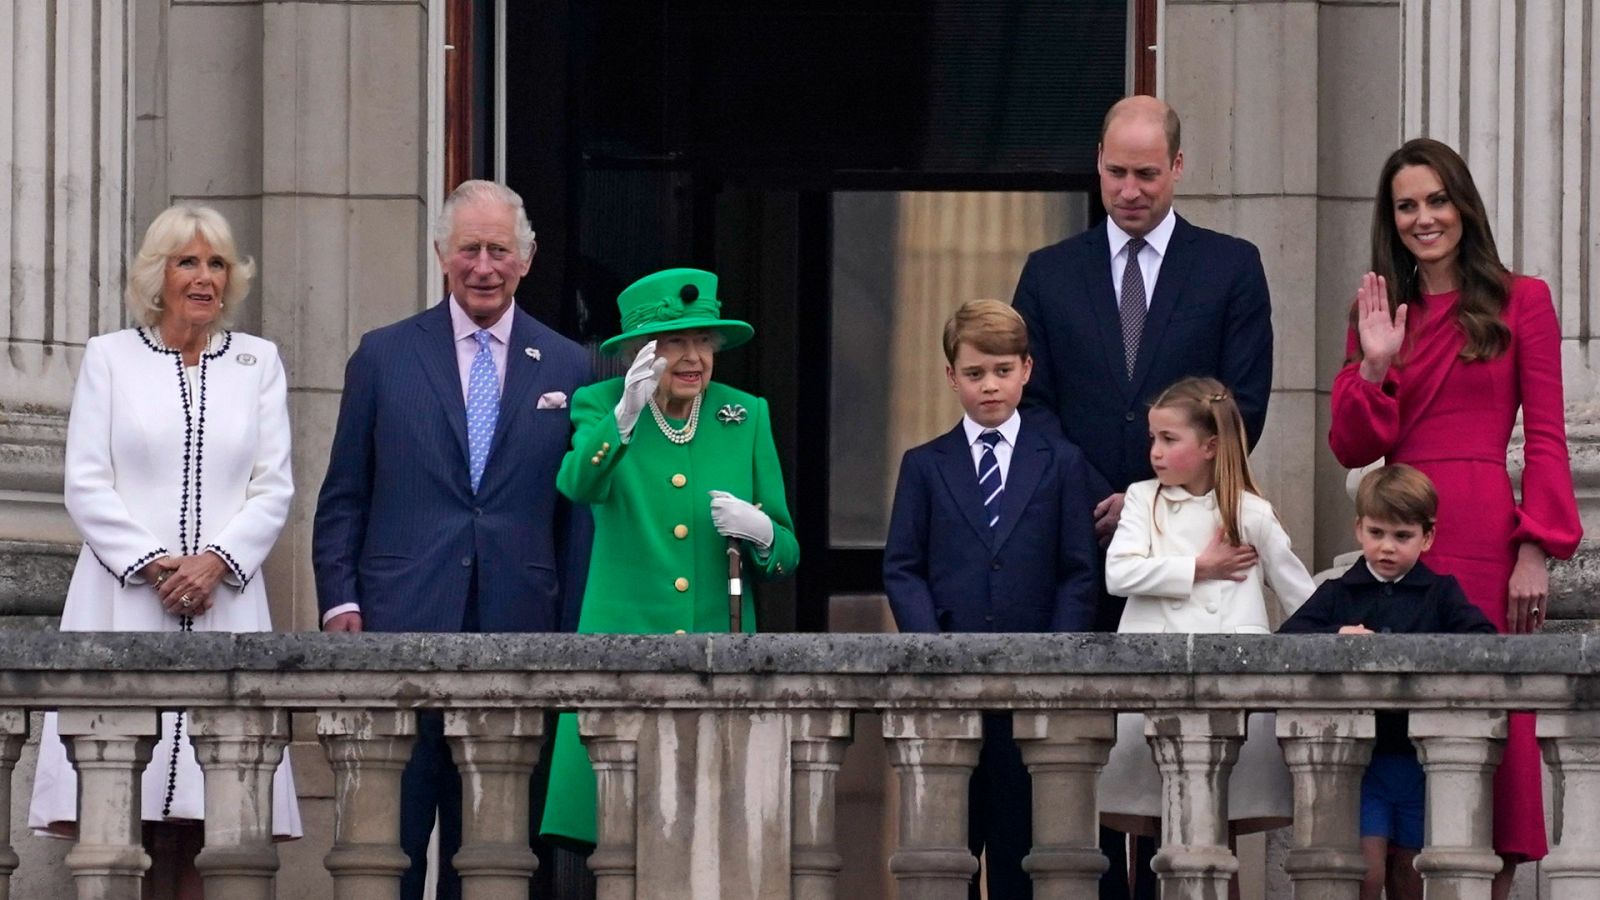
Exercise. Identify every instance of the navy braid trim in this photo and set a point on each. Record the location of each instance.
(188, 451)
(141, 562)
(199, 449)
(233, 564)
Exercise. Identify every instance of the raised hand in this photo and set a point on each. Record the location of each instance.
(1381, 333)
(637, 389)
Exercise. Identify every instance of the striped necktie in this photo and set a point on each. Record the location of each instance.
(989, 482)
(483, 407)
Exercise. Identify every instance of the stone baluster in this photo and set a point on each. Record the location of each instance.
(1327, 752)
(109, 748)
(239, 751)
(934, 754)
(496, 751)
(13, 733)
(612, 737)
(817, 743)
(1459, 751)
(368, 751)
(1064, 752)
(1195, 751)
(1571, 743)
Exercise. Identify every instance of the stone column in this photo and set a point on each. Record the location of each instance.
(13, 732)
(612, 737)
(1327, 752)
(109, 748)
(1459, 751)
(496, 751)
(64, 120)
(1195, 751)
(1571, 743)
(368, 750)
(934, 754)
(1064, 752)
(239, 750)
(818, 739)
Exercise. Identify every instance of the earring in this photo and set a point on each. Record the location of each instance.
(221, 306)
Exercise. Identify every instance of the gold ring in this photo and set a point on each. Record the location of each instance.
(185, 601)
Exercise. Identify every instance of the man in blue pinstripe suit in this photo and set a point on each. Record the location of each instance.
(439, 512)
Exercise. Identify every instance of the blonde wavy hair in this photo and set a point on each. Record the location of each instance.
(1210, 410)
(171, 231)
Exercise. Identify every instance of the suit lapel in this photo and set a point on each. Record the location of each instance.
(1169, 287)
(1028, 461)
(522, 371)
(961, 480)
(438, 353)
(1095, 269)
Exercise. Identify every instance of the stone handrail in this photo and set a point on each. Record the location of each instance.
(784, 705)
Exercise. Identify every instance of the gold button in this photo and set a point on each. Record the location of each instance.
(678, 480)
(594, 460)
(605, 445)
(680, 631)
(682, 584)
(680, 532)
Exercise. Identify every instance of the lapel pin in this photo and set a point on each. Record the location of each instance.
(533, 353)
(245, 359)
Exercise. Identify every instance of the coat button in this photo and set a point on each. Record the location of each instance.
(466, 561)
(682, 584)
(679, 480)
(1127, 417)
(605, 445)
(477, 510)
(594, 460)
(680, 532)
(680, 631)
(995, 565)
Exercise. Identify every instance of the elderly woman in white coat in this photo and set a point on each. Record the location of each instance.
(177, 476)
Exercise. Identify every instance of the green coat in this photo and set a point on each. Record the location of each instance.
(658, 564)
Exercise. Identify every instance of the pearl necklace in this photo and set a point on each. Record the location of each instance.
(677, 435)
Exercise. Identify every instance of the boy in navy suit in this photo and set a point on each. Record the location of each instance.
(993, 531)
(1390, 590)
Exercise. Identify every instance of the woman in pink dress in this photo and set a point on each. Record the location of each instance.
(1447, 345)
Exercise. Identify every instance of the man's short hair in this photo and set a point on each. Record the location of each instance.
(988, 326)
(1169, 124)
(477, 191)
(1398, 493)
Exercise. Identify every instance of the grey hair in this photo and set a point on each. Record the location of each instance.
(171, 231)
(477, 191)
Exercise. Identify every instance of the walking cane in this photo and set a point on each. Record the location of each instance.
(735, 589)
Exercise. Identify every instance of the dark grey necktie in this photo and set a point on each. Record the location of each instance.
(1132, 305)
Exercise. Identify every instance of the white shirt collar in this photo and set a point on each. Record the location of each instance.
(1159, 236)
(1008, 429)
(1380, 577)
(463, 327)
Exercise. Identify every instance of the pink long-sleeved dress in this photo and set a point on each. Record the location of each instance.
(1452, 419)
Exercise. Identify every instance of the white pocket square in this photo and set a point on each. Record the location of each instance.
(553, 400)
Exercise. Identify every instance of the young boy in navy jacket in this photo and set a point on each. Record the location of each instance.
(1391, 591)
(993, 531)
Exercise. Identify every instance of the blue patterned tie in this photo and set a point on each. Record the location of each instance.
(483, 406)
(989, 477)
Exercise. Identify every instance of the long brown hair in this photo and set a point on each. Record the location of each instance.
(1209, 409)
(1483, 277)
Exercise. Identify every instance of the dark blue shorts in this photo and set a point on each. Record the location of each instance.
(1393, 793)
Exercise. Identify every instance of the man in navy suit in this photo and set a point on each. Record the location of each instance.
(991, 532)
(439, 512)
(1107, 337)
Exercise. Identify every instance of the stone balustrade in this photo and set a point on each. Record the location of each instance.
(716, 755)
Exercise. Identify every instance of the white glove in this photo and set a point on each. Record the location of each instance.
(643, 378)
(737, 519)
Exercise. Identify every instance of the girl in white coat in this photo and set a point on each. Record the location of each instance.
(1191, 552)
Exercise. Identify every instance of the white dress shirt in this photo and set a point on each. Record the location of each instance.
(1002, 448)
(1149, 258)
(462, 326)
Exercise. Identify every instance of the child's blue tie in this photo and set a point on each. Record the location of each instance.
(989, 477)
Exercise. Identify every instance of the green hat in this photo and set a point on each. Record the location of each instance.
(675, 300)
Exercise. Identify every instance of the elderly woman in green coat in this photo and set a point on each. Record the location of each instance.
(674, 466)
